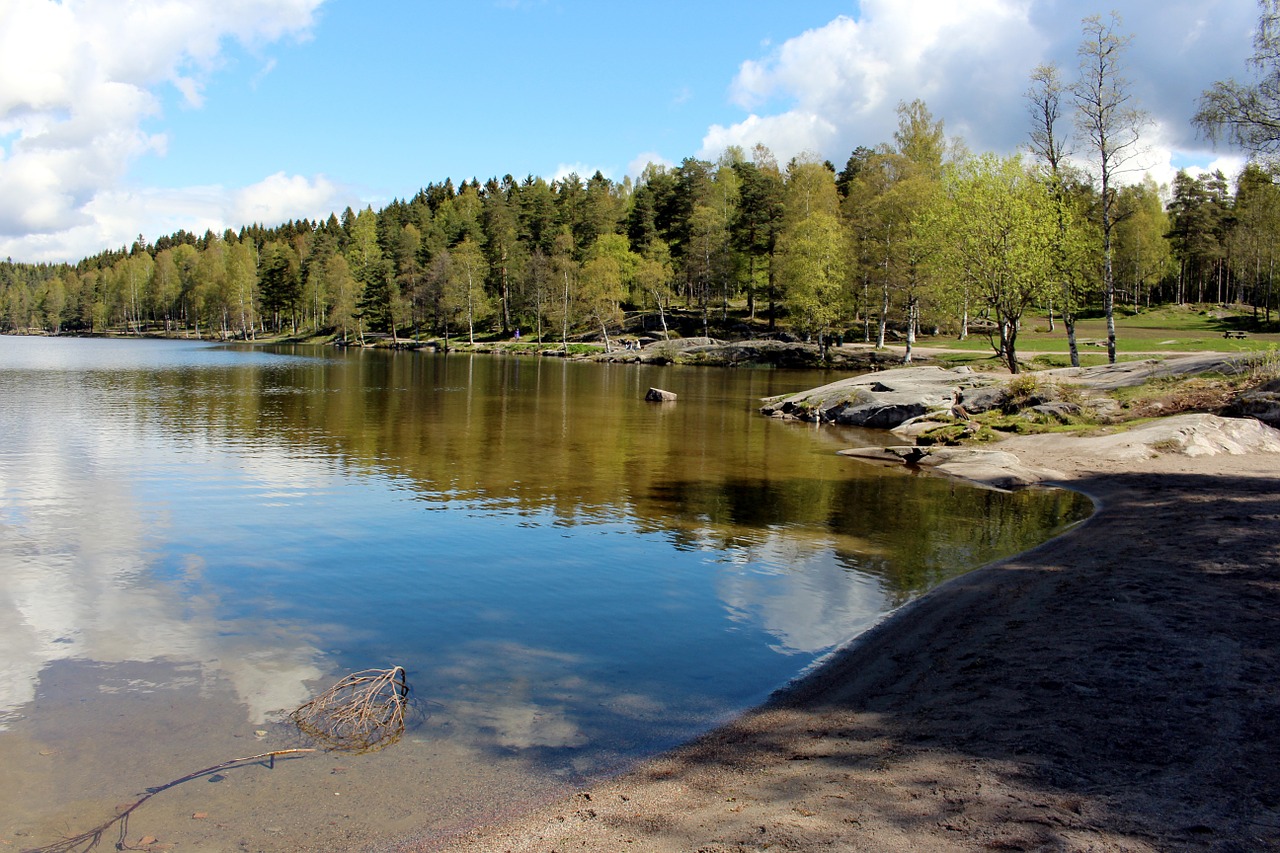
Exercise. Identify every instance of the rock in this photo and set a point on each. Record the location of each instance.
(1192, 435)
(1261, 405)
(995, 469)
(1061, 412)
(657, 395)
(1187, 435)
(752, 353)
(982, 398)
(1126, 374)
(881, 400)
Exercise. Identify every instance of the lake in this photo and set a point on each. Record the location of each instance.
(196, 537)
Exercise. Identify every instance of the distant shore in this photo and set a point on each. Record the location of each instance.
(1113, 689)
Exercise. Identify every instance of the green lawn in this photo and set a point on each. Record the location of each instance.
(1170, 329)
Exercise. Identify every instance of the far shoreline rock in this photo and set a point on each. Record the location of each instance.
(710, 352)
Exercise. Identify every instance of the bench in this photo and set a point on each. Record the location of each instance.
(1239, 336)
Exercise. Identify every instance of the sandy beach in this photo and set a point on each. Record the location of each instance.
(1117, 688)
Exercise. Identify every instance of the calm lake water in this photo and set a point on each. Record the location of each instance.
(194, 537)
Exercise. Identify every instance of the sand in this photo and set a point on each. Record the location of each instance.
(1117, 688)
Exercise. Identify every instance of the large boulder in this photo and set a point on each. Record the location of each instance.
(881, 400)
(982, 398)
(1262, 404)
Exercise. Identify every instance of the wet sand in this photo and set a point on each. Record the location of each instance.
(1117, 688)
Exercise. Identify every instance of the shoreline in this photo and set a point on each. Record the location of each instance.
(1111, 689)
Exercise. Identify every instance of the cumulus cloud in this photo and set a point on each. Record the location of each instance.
(78, 79)
(582, 170)
(831, 89)
(114, 217)
(281, 197)
(637, 166)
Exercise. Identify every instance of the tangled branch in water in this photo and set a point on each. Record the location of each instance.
(90, 839)
(363, 712)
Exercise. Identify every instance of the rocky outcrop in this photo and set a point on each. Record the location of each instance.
(881, 400)
(753, 353)
(994, 469)
(899, 399)
(1261, 403)
(1185, 435)
(1127, 374)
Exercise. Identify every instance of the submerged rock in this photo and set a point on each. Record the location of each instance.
(657, 395)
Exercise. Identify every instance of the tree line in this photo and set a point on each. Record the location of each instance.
(914, 234)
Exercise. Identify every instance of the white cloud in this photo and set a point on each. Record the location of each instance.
(637, 166)
(582, 170)
(280, 197)
(836, 87)
(114, 217)
(77, 81)
(787, 135)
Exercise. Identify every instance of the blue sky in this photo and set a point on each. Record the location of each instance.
(405, 93)
(120, 117)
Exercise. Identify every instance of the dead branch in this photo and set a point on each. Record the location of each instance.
(90, 839)
(363, 712)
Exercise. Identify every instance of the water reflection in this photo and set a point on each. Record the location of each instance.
(80, 525)
(570, 574)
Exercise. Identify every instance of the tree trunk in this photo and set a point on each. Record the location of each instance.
(662, 315)
(912, 309)
(564, 332)
(1008, 340)
(884, 317)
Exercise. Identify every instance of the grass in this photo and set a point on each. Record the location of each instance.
(1171, 329)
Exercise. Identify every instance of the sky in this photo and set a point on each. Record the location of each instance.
(128, 117)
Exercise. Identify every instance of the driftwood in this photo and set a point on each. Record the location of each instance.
(363, 712)
(90, 839)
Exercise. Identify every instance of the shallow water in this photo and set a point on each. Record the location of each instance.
(194, 537)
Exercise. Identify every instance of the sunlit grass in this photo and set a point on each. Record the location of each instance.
(1170, 329)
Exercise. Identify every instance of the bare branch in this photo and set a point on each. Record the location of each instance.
(1248, 114)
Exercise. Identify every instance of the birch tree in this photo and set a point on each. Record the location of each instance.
(1110, 124)
(998, 228)
(1248, 114)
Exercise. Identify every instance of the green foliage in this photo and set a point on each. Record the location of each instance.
(1248, 114)
(1021, 391)
(1006, 253)
(912, 234)
(1265, 366)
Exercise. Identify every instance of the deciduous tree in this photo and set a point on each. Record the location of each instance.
(1006, 249)
(1248, 114)
(1110, 124)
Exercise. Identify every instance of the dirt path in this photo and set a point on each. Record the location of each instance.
(1115, 689)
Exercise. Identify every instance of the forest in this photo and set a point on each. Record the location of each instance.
(912, 236)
